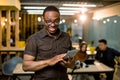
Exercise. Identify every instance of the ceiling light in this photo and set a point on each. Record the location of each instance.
(35, 12)
(41, 12)
(33, 7)
(68, 11)
(80, 5)
(69, 8)
(83, 17)
(82, 10)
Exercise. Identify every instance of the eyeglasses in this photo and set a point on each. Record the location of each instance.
(49, 22)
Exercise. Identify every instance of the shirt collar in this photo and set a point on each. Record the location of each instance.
(45, 33)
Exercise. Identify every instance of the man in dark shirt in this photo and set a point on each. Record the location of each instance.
(45, 49)
(106, 55)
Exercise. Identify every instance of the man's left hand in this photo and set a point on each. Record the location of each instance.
(67, 63)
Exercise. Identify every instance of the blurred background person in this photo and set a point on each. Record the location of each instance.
(81, 56)
(106, 55)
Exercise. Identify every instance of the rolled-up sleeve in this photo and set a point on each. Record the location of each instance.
(31, 46)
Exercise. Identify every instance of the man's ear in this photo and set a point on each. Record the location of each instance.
(43, 19)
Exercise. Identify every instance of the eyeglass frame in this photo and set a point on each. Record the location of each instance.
(49, 22)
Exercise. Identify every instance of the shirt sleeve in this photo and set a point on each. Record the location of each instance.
(70, 42)
(31, 47)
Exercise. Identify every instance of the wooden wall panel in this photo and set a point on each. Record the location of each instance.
(24, 26)
(20, 25)
(8, 29)
(17, 28)
(32, 22)
(36, 22)
(0, 29)
(28, 25)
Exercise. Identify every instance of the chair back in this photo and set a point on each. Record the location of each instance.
(8, 66)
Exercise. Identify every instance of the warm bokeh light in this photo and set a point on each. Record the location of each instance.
(75, 21)
(63, 20)
(83, 10)
(39, 19)
(108, 20)
(104, 22)
(115, 21)
(19, 18)
(5, 20)
(60, 22)
(2, 24)
(83, 17)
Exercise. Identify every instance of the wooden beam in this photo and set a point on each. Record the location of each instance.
(28, 24)
(17, 28)
(32, 22)
(10, 4)
(36, 22)
(24, 25)
(8, 28)
(0, 29)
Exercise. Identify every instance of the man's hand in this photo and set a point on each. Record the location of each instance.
(56, 59)
(67, 63)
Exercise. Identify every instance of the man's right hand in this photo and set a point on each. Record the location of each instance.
(56, 59)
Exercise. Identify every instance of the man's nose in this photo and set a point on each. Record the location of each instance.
(52, 24)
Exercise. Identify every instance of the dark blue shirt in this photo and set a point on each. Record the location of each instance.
(107, 57)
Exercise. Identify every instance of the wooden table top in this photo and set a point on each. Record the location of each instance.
(18, 70)
(95, 68)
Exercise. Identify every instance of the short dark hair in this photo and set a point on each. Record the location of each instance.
(103, 41)
(50, 8)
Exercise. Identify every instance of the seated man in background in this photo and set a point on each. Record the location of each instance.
(106, 55)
